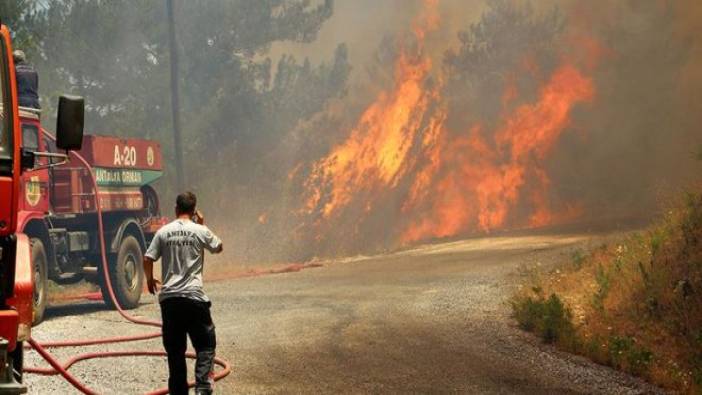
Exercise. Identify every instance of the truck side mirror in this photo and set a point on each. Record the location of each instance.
(69, 123)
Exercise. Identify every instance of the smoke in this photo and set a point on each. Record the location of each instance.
(636, 144)
(362, 24)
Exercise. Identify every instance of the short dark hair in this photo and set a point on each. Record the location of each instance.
(186, 202)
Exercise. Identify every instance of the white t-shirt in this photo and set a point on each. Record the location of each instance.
(181, 246)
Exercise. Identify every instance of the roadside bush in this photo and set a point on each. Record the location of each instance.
(697, 361)
(549, 318)
(578, 257)
(625, 354)
(603, 284)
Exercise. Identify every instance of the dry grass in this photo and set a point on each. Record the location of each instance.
(635, 305)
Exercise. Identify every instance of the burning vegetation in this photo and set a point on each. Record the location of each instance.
(421, 163)
(413, 162)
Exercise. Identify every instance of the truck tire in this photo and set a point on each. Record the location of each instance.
(126, 275)
(41, 280)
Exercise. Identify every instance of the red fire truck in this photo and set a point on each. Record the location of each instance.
(48, 213)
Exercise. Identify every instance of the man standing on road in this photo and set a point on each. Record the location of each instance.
(185, 309)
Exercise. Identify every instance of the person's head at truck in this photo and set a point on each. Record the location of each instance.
(19, 57)
(185, 308)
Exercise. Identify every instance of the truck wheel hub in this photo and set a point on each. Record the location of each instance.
(38, 283)
(130, 272)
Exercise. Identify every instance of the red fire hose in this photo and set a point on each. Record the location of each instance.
(62, 369)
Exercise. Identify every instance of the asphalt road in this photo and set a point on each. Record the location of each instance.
(432, 319)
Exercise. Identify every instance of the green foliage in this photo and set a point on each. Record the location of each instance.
(691, 224)
(578, 258)
(548, 318)
(658, 237)
(24, 19)
(527, 312)
(624, 353)
(603, 279)
(696, 360)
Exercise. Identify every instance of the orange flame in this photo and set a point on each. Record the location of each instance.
(483, 181)
(377, 149)
(448, 183)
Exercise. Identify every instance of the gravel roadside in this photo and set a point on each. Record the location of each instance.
(431, 319)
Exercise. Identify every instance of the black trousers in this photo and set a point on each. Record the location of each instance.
(183, 318)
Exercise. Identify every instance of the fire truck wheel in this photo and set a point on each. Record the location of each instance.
(39, 262)
(126, 274)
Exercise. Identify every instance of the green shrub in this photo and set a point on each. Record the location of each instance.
(625, 354)
(691, 224)
(527, 312)
(578, 257)
(603, 284)
(548, 318)
(696, 359)
(658, 237)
